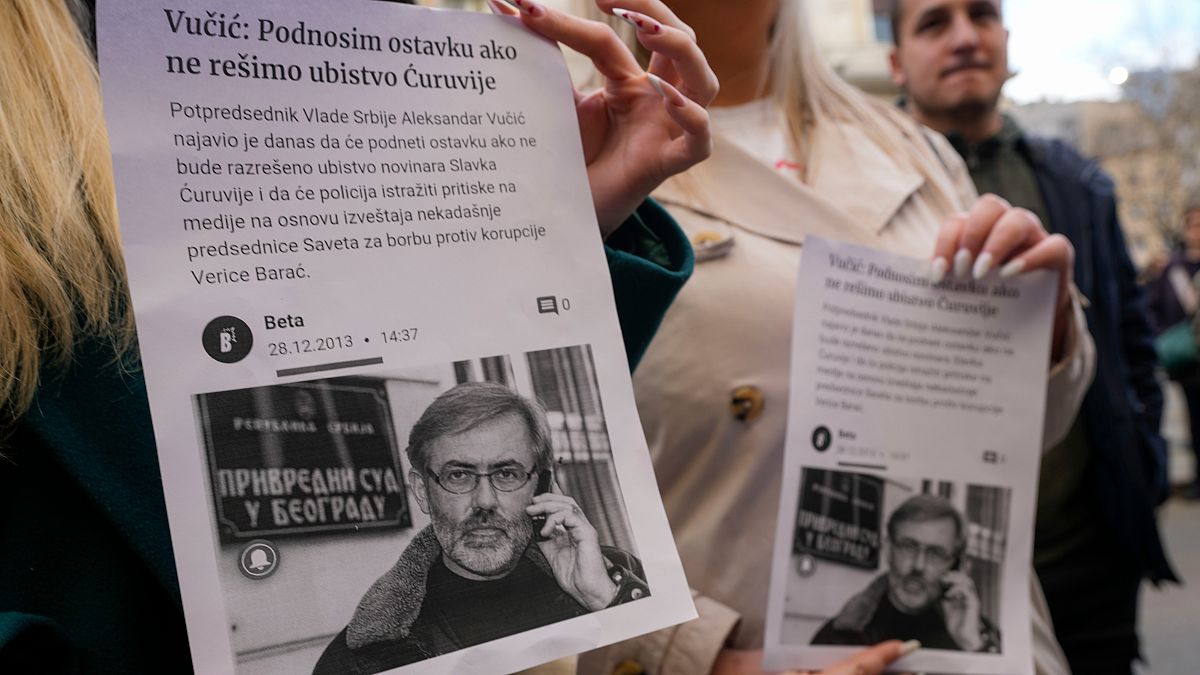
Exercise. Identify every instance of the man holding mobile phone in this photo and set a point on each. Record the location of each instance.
(505, 551)
(926, 594)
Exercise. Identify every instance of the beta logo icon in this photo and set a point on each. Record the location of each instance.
(227, 339)
(822, 438)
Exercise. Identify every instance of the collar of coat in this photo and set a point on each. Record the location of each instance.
(860, 609)
(390, 607)
(854, 192)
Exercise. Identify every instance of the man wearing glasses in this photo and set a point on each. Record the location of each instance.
(505, 552)
(925, 595)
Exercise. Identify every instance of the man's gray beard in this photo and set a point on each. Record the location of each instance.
(898, 591)
(485, 561)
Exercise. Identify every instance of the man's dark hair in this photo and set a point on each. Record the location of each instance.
(924, 507)
(467, 406)
(897, 15)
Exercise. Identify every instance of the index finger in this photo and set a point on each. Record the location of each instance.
(681, 53)
(946, 246)
(982, 217)
(654, 8)
(593, 39)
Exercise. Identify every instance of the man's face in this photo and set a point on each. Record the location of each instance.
(920, 553)
(483, 532)
(953, 55)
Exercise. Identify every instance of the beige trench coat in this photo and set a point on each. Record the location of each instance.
(730, 328)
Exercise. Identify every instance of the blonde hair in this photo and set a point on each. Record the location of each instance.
(809, 93)
(62, 278)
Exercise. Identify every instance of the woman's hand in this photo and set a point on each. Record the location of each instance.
(871, 661)
(994, 235)
(638, 129)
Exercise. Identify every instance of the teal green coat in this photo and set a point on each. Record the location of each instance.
(87, 576)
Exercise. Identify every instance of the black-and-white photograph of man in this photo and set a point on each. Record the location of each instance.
(879, 558)
(925, 594)
(506, 551)
(373, 521)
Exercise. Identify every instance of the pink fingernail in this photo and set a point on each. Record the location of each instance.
(530, 7)
(639, 21)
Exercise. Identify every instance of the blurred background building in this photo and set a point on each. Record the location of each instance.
(1148, 141)
(856, 36)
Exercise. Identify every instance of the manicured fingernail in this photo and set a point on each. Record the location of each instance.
(1012, 269)
(937, 270)
(657, 84)
(665, 90)
(530, 7)
(982, 266)
(962, 263)
(639, 21)
(499, 7)
(909, 647)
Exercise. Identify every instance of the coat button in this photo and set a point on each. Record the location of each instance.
(629, 668)
(747, 403)
(709, 245)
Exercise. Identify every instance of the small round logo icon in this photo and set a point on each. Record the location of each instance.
(258, 560)
(806, 565)
(227, 339)
(822, 438)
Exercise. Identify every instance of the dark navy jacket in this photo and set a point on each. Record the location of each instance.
(1123, 407)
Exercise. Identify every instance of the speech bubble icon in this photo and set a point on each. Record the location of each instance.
(547, 304)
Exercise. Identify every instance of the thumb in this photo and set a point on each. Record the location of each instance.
(875, 660)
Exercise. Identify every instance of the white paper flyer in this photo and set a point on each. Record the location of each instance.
(389, 392)
(914, 440)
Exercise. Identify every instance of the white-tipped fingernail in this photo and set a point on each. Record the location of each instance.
(499, 8)
(982, 266)
(639, 21)
(657, 84)
(937, 270)
(1012, 269)
(962, 263)
(909, 647)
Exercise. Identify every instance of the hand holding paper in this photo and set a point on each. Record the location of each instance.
(913, 437)
(638, 129)
(995, 234)
(870, 661)
(873, 661)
